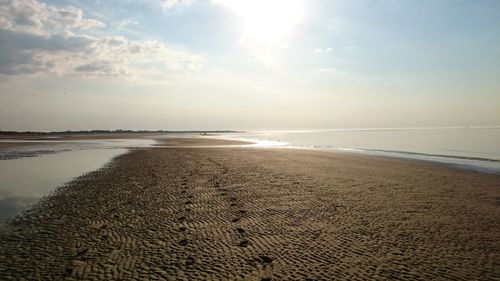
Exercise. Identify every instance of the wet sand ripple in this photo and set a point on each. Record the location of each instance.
(260, 214)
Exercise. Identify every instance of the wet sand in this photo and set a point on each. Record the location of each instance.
(17, 141)
(8, 145)
(191, 213)
(15, 150)
(200, 141)
(73, 136)
(30, 146)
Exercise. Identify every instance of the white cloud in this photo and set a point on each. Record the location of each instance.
(126, 23)
(34, 17)
(326, 50)
(39, 38)
(168, 4)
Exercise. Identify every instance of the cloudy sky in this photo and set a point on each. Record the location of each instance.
(256, 64)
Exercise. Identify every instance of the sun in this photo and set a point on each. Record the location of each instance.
(268, 21)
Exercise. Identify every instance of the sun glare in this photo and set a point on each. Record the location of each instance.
(267, 20)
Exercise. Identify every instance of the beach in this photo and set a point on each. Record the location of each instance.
(207, 209)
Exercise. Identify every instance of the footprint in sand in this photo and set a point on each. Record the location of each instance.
(243, 243)
(81, 252)
(68, 271)
(265, 260)
(189, 261)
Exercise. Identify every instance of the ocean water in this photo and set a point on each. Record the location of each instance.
(28, 173)
(470, 148)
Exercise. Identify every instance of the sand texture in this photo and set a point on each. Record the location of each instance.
(260, 214)
(199, 141)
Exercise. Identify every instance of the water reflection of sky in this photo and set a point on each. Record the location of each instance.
(25, 178)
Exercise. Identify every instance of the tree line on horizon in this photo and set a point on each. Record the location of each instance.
(118, 131)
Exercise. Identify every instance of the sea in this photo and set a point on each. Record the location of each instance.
(28, 173)
(472, 148)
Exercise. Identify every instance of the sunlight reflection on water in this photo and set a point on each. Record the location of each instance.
(470, 148)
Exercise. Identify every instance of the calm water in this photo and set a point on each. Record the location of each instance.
(31, 172)
(473, 148)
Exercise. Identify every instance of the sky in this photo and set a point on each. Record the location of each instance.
(248, 64)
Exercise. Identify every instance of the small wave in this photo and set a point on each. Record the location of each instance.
(435, 155)
(479, 164)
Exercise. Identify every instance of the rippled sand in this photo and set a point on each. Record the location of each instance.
(190, 213)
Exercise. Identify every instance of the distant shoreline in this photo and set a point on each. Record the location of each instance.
(9, 134)
(18, 139)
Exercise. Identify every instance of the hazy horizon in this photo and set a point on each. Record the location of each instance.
(277, 130)
(248, 65)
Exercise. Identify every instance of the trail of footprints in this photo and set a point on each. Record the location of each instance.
(262, 263)
(182, 229)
